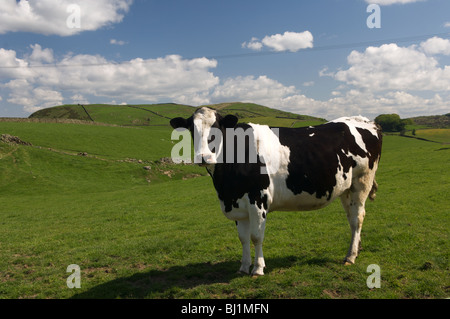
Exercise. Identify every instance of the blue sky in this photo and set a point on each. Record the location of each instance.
(310, 57)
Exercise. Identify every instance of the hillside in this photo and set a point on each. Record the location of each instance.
(160, 114)
(433, 121)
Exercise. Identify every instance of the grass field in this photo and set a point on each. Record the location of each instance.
(159, 233)
(438, 135)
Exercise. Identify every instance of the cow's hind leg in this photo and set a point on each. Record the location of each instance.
(354, 200)
(243, 227)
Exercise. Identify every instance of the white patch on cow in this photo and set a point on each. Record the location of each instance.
(203, 120)
(312, 134)
(240, 212)
(360, 122)
(268, 146)
(341, 183)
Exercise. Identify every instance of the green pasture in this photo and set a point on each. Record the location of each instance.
(440, 135)
(159, 233)
(160, 114)
(126, 115)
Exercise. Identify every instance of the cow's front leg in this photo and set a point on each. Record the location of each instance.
(257, 218)
(243, 227)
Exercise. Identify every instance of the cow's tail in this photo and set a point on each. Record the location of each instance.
(373, 191)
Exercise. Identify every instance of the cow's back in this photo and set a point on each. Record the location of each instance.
(322, 160)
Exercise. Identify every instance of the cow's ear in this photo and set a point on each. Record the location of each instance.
(229, 121)
(178, 122)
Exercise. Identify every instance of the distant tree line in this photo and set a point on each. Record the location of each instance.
(392, 122)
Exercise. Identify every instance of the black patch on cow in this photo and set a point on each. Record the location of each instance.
(233, 180)
(314, 159)
(373, 145)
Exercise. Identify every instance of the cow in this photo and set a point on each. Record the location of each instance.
(295, 169)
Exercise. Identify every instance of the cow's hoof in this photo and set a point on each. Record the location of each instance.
(348, 262)
(244, 270)
(257, 272)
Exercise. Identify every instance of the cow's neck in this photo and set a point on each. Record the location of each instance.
(216, 171)
(211, 169)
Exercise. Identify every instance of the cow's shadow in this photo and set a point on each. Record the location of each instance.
(166, 283)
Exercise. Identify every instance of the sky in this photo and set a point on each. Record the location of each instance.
(325, 58)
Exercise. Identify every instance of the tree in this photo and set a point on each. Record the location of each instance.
(391, 122)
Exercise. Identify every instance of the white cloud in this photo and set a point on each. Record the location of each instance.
(79, 99)
(260, 89)
(369, 104)
(385, 79)
(288, 41)
(51, 16)
(436, 45)
(377, 80)
(39, 55)
(254, 44)
(390, 67)
(78, 76)
(389, 2)
(32, 99)
(117, 42)
(447, 24)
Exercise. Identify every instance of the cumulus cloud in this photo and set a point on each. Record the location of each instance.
(23, 93)
(170, 77)
(384, 79)
(253, 44)
(269, 92)
(260, 89)
(377, 80)
(79, 99)
(390, 67)
(288, 41)
(41, 55)
(366, 103)
(436, 45)
(60, 17)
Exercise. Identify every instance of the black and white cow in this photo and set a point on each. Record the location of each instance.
(295, 169)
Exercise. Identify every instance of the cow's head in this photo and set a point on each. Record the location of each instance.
(208, 129)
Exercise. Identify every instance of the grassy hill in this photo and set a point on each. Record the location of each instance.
(160, 114)
(432, 121)
(434, 128)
